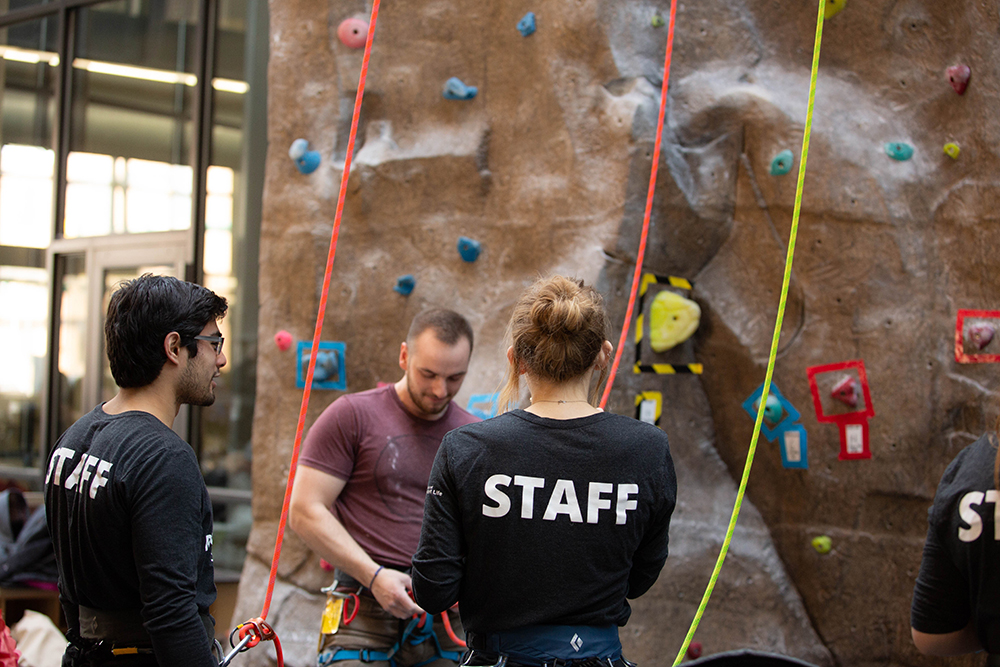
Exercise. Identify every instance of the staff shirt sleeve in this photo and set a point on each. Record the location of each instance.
(439, 561)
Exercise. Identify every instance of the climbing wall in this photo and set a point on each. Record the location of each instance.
(885, 364)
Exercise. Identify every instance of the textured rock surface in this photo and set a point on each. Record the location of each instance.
(548, 168)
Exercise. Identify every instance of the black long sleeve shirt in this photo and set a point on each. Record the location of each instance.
(131, 522)
(530, 521)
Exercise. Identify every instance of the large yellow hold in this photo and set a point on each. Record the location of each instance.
(672, 320)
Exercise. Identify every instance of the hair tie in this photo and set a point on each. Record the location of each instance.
(380, 568)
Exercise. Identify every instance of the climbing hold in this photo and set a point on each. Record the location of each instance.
(782, 163)
(405, 284)
(981, 334)
(846, 391)
(672, 320)
(832, 8)
(327, 366)
(773, 410)
(952, 150)
(897, 150)
(694, 650)
(283, 340)
(822, 544)
(958, 77)
(526, 26)
(468, 248)
(306, 161)
(454, 89)
(657, 21)
(353, 33)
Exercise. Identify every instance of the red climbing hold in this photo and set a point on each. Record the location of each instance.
(694, 650)
(981, 334)
(353, 33)
(958, 77)
(846, 391)
(283, 340)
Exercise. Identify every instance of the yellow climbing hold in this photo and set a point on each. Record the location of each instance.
(832, 8)
(822, 544)
(672, 320)
(952, 150)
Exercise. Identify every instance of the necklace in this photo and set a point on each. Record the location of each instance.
(533, 401)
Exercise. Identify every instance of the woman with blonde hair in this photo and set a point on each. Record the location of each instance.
(542, 522)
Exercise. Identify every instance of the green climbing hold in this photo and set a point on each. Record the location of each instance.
(897, 150)
(832, 8)
(657, 21)
(952, 150)
(782, 163)
(822, 544)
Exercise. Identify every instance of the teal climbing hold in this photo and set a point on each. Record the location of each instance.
(468, 248)
(306, 161)
(773, 410)
(405, 284)
(898, 150)
(526, 25)
(782, 163)
(455, 89)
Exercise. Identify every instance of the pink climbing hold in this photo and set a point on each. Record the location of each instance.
(981, 334)
(846, 391)
(353, 33)
(283, 340)
(958, 77)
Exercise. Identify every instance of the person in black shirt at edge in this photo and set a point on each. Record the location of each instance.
(956, 599)
(128, 510)
(541, 523)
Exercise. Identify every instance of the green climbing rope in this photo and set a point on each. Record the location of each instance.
(774, 339)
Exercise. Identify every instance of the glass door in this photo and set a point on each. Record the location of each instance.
(86, 277)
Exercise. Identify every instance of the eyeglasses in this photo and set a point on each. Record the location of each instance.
(216, 342)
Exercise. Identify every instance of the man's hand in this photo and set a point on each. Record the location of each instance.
(392, 590)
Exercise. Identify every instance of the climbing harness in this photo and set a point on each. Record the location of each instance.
(418, 630)
(774, 339)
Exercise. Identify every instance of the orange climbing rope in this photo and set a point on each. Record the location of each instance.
(637, 276)
(322, 307)
(259, 622)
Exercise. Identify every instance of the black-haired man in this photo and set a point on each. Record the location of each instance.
(359, 493)
(127, 507)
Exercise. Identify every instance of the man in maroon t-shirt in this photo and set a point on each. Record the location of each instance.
(358, 498)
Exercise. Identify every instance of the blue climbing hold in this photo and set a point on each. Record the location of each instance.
(327, 366)
(897, 150)
(526, 25)
(309, 162)
(405, 284)
(306, 161)
(454, 89)
(773, 409)
(782, 163)
(468, 248)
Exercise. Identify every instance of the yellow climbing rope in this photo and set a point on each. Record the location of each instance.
(774, 338)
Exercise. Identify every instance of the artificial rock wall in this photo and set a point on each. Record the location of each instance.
(548, 166)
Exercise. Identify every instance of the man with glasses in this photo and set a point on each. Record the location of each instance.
(127, 507)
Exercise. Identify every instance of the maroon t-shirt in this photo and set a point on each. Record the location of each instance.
(385, 454)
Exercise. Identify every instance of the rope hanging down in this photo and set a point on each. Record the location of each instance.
(322, 308)
(637, 276)
(774, 339)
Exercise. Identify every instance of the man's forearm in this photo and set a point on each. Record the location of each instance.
(326, 536)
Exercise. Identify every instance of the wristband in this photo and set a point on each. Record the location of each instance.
(380, 568)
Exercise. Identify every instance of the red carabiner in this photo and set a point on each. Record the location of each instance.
(354, 612)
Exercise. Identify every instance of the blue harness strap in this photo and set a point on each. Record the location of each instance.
(413, 634)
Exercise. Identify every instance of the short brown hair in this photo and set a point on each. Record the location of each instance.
(556, 331)
(448, 326)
